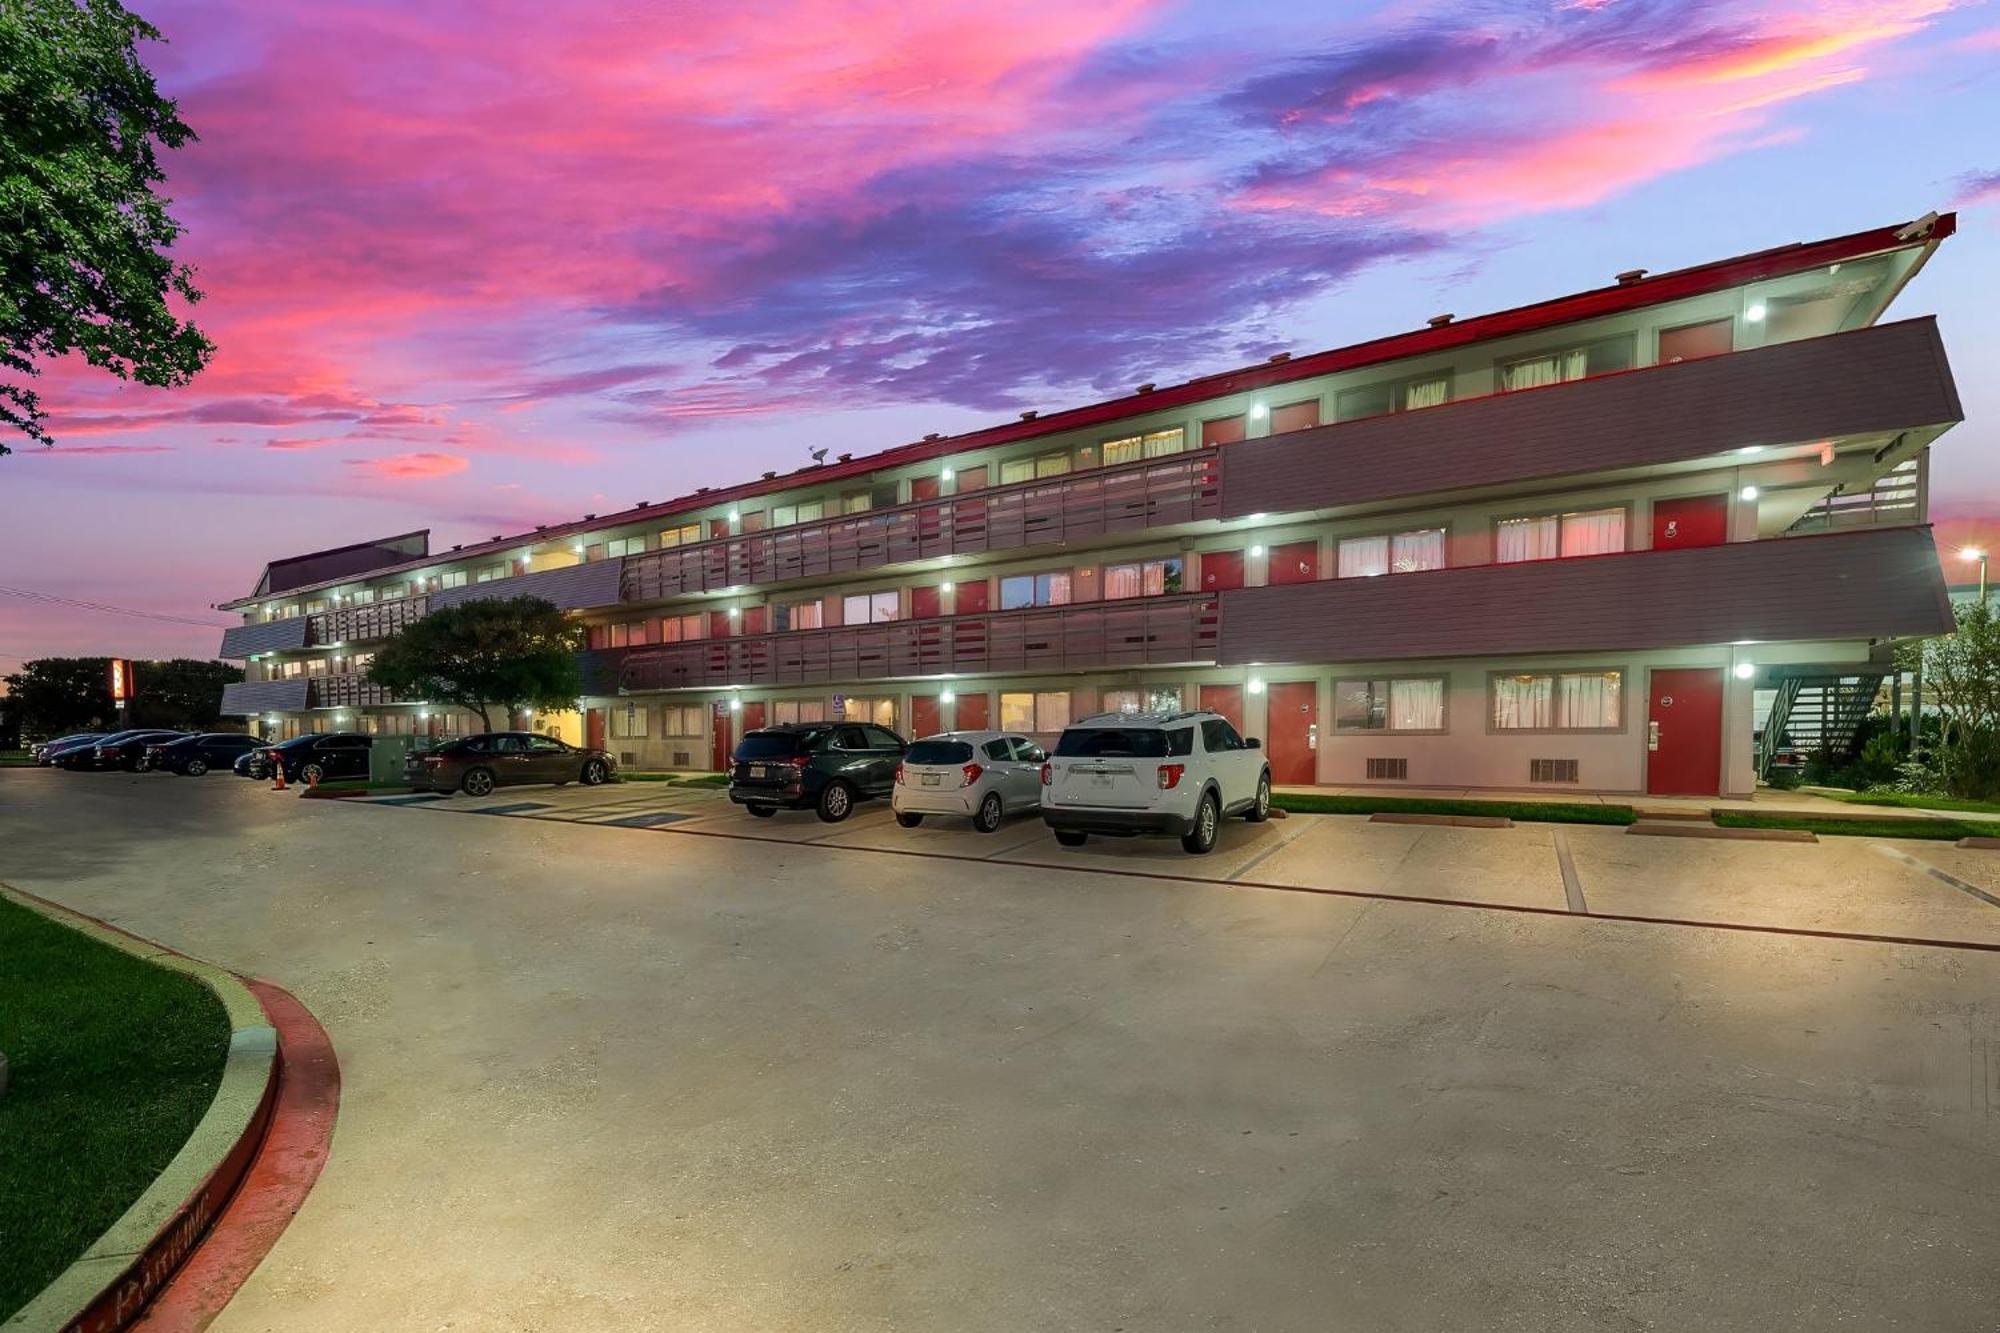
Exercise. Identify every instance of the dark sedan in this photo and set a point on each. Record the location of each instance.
(476, 765)
(47, 752)
(110, 752)
(192, 756)
(315, 758)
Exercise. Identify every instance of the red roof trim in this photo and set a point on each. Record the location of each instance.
(1593, 304)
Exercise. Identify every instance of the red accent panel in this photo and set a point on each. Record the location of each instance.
(975, 712)
(969, 479)
(718, 527)
(1220, 570)
(925, 604)
(1700, 520)
(1226, 700)
(926, 715)
(1222, 430)
(719, 626)
(1295, 416)
(973, 598)
(1293, 742)
(1295, 562)
(923, 488)
(756, 620)
(1686, 705)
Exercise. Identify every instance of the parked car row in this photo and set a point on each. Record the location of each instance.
(1118, 774)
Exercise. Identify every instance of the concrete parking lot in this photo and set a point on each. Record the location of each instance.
(611, 1063)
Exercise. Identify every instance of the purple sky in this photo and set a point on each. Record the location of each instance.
(477, 264)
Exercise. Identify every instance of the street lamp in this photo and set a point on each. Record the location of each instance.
(1975, 553)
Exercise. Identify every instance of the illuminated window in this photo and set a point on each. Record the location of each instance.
(1558, 701)
(1045, 711)
(1414, 704)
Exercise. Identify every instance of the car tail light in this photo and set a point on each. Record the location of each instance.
(1170, 776)
(1048, 773)
(971, 771)
(899, 775)
(799, 760)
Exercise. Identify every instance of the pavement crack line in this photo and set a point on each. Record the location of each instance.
(1269, 852)
(1572, 886)
(1942, 876)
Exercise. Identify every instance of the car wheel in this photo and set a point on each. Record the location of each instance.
(907, 819)
(477, 782)
(1260, 810)
(194, 768)
(594, 773)
(836, 802)
(1200, 840)
(762, 811)
(1070, 837)
(990, 810)
(312, 774)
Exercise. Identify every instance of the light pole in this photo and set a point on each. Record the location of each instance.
(1976, 553)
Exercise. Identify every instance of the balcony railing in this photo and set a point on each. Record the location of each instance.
(1155, 631)
(361, 624)
(346, 691)
(1130, 497)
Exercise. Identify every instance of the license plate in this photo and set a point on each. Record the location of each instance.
(759, 771)
(1100, 780)
(933, 779)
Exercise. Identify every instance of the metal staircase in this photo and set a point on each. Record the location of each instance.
(1818, 713)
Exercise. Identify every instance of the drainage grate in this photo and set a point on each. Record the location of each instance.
(1388, 770)
(1552, 770)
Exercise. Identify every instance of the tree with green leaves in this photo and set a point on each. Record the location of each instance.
(84, 238)
(512, 653)
(51, 696)
(1962, 670)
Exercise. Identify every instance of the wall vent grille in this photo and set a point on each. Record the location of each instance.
(1552, 770)
(683, 759)
(1388, 770)
(627, 759)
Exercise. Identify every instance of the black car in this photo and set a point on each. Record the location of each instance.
(316, 758)
(128, 752)
(823, 766)
(192, 756)
(47, 752)
(108, 752)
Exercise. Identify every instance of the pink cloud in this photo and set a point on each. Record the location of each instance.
(305, 442)
(61, 450)
(410, 467)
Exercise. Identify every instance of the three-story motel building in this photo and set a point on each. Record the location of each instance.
(1583, 544)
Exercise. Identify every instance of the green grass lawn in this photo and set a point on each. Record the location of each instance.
(1909, 801)
(1314, 803)
(1839, 826)
(113, 1062)
(14, 759)
(705, 780)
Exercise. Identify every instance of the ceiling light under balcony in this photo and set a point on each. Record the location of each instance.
(1745, 670)
(1749, 449)
(1256, 553)
(1755, 314)
(1749, 492)
(947, 697)
(1258, 411)
(946, 586)
(1256, 684)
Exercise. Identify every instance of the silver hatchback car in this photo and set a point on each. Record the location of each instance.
(987, 775)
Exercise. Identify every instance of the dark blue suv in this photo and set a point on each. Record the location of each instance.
(822, 766)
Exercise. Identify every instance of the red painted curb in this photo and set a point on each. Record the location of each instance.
(287, 1162)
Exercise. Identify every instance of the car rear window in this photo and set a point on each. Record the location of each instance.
(1122, 742)
(774, 744)
(938, 752)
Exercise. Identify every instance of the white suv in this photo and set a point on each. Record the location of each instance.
(1130, 773)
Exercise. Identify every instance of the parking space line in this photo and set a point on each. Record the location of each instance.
(519, 807)
(1269, 852)
(1041, 832)
(1572, 886)
(1943, 876)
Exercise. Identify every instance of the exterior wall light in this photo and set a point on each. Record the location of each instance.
(1755, 314)
(946, 475)
(578, 548)
(1745, 670)
(1749, 449)
(1749, 492)
(735, 705)
(1258, 411)
(947, 697)
(1256, 684)
(1257, 553)
(946, 586)
(734, 515)
(734, 612)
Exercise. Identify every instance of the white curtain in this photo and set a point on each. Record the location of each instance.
(1542, 370)
(1363, 557)
(1052, 589)
(1416, 705)
(1120, 701)
(1124, 581)
(1161, 443)
(1017, 712)
(1121, 451)
(1523, 703)
(1413, 551)
(1589, 700)
(1427, 393)
(1528, 539)
(1594, 533)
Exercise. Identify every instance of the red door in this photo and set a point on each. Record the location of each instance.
(926, 715)
(975, 712)
(923, 488)
(1684, 733)
(1220, 570)
(1295, 562)
(1700, 520)
(924, 604)
(970, 599)
(756, 619)
(1293, 742)
(753, 716)
(718, 625)
(594, 728)
(1226, 700)
(718, 754)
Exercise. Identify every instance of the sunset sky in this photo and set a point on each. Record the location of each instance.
(473, 265)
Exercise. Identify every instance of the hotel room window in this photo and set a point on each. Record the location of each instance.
(683, 535)
(1022, 590)
(363, 596)
(806, 511)
(871, 608)
(796, 615)
(452, 578)
(629, 722)
(1374, 400)
(1152, 444)
(1691, 342)
(1223, 430)
(1549, 536)
(680, 629)
(1410, 704)
(1558, 701)
(1295, 416)
(1570, 363)
(855, 502)
(1403, 553)
(1151, 578)
(624, 546)
(1047, 710)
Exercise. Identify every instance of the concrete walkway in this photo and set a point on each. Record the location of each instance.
(610, 1076)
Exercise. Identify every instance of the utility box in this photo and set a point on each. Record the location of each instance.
(386, 755)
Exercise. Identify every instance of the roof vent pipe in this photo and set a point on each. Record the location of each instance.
(1147, 387)
(1438, 321)
(1630, 276)
(932, 436)
(1029, 415)
(1279, 358)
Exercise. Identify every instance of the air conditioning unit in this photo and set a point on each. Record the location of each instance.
(1388, 770)
(1552, 770)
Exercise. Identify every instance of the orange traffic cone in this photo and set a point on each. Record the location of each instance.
(277, 774)
(312, 779)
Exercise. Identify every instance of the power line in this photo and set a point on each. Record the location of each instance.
(31, 595)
